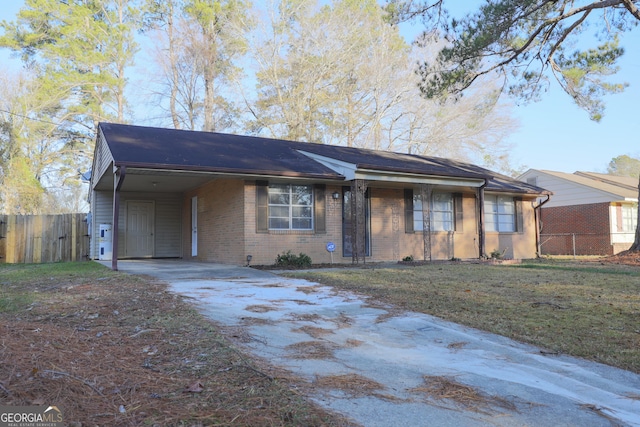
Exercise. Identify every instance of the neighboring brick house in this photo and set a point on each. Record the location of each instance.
(221, 198)
(589, 214)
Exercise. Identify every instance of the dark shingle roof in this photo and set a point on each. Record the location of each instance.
(159, 148)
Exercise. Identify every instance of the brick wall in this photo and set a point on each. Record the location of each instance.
(227, 229)
(220, 221)
(518, 245)
(265, 247)
(589, 223)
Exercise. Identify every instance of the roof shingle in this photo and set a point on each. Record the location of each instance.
(159, 148)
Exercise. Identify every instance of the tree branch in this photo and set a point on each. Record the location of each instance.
(632, 8)
(566, 34)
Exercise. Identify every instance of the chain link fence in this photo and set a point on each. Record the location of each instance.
(576, 244)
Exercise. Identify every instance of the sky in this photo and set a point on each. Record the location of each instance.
(554, 134)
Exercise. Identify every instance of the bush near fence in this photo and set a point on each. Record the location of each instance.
(43, 238)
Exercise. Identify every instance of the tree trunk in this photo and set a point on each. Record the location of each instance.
(636, 243)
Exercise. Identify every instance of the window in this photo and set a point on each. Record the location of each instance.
(290, 207)
(629, 218)
(500, 214)
(442, 215)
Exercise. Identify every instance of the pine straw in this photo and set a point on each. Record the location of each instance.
(260, 308)
(355, 386)
(308, 289)
(313, 331)
(121, 351)
(311, 350)
(352, 384)
(440, 388)
(351, 343)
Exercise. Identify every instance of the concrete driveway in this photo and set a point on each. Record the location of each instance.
(378, 365)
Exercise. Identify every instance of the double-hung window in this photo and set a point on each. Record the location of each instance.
(441, 212)
(500, 214)
(290, 207)
(629, 218)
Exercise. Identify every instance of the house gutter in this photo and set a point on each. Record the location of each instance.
(481, 230)
(219, 170)
(536, 214)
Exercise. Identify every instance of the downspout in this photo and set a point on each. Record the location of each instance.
(536, 214)
(118, 178)
(481, 231)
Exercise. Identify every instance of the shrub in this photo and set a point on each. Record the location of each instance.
(408, 258)
(496, 254)
(292, 260)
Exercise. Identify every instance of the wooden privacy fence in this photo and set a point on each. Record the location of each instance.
(43, 238)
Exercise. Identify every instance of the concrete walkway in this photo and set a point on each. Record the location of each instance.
(370, 362)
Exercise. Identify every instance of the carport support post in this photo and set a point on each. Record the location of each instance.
(118, 178)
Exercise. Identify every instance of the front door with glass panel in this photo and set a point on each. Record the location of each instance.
(347, 223)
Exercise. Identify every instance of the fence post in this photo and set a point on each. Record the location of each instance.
(573, 244)
(3, 238)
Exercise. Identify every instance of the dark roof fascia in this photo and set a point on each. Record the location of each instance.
(361, 166)
(605, 180)
(228, 171)
(495, 186)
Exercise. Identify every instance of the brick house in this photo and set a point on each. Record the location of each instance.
(167, 193)
(590, 213)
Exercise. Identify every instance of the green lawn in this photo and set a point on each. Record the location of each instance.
(581, 309)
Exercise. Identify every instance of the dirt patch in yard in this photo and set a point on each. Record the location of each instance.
(112, 349)
(623, 258)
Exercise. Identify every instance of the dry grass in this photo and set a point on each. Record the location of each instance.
(113, 349)
(447, 389)
(589, 310)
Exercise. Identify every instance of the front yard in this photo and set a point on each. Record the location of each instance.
(585, 309)
(114, 349)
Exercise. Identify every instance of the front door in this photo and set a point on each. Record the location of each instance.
(139, 229)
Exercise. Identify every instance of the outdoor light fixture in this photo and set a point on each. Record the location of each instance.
(335, 195)
(249, 260)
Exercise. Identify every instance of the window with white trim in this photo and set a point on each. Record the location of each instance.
(290, 207)
(629, 218)
(441, 210)
(500, 214)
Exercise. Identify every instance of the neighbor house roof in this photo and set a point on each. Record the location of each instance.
(170, 149)
(622, 187)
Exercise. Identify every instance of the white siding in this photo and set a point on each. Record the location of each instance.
(567, 193)
(102, 160)
(168, 221)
